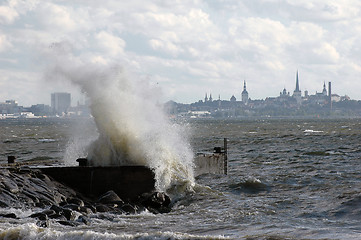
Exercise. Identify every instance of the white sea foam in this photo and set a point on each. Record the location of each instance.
(32, 231)
(312, 131)
(132, 128)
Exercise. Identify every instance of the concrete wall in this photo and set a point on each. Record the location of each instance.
(210, 163)
(127, 181)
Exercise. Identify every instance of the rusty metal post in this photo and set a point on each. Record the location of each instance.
(225, 157)
(11, 159)
(83, 162)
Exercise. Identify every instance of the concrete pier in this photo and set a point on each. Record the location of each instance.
(128, 182)
(214, 163)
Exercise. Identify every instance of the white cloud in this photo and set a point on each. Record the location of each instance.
(57, 18)
(4, 43)
(7, 15)
(111, 44)
(194, 44)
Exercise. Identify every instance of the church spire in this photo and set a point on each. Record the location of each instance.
(297, 83)
(244, 93)
(324, 91)
(297, 92)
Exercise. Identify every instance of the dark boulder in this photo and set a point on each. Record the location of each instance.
(156, 202)
(75, 201)
(3, 204)
(110, 197)
(8, 215)
(129, 209)
(43, 224)
(68, 213)
(40, 215)
(83, 219)
(85, 210)
(91, 207)
(56, 208)
(69, 223)
(102, 208)
(73, 207)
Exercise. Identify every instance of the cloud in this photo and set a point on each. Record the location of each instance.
(4, 43)
(197, 44)
(109, 43)
(7, 15)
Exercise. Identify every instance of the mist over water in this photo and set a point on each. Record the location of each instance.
(131, 125)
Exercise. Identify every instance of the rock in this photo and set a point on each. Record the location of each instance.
(8, 215)
(60, 212)
(102, 208)
(75, 201)
(110, 197)
(92, 208)
(40, 205)
(41, 216)
(43, 224)
(85, 210)
(22, 187)
(24, 169)
(156, 202)
(56, 208)
(73, 207)
(129, 209)
(69, 214)
(31, 195)
(69, 223)
(49, 212)
(11, 186)
(3, 204)
(140, 208)
(83, 219)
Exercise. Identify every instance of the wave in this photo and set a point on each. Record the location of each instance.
(312, 131)
(132, 128)
(32, 231)
(249, 185)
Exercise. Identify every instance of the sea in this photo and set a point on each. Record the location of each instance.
(287, 179)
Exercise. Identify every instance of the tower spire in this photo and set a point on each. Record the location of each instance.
(297, 83)
(297, 92)
(244, 93)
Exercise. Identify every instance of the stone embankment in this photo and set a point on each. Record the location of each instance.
(23, 187)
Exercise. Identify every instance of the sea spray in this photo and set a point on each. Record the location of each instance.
(132, 127)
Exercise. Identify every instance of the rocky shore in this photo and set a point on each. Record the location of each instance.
(23, 187)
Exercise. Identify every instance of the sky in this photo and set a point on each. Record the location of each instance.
(186, 48)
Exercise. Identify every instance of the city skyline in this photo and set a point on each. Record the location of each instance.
(239, 95)
(184, 48)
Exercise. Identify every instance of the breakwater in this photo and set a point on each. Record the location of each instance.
(66, 196)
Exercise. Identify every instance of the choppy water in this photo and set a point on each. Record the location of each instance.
(288, 179)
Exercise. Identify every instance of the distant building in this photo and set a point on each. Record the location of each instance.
(10, 107)
(324, 91)
(40, 110)
(320, 98)
(284, 93)
(206, 98)
(233, 99)
(60, 102)
(297, 92)
(244, 94)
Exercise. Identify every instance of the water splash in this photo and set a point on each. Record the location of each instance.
(132, 127)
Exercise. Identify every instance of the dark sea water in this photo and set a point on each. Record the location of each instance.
(287, 179)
